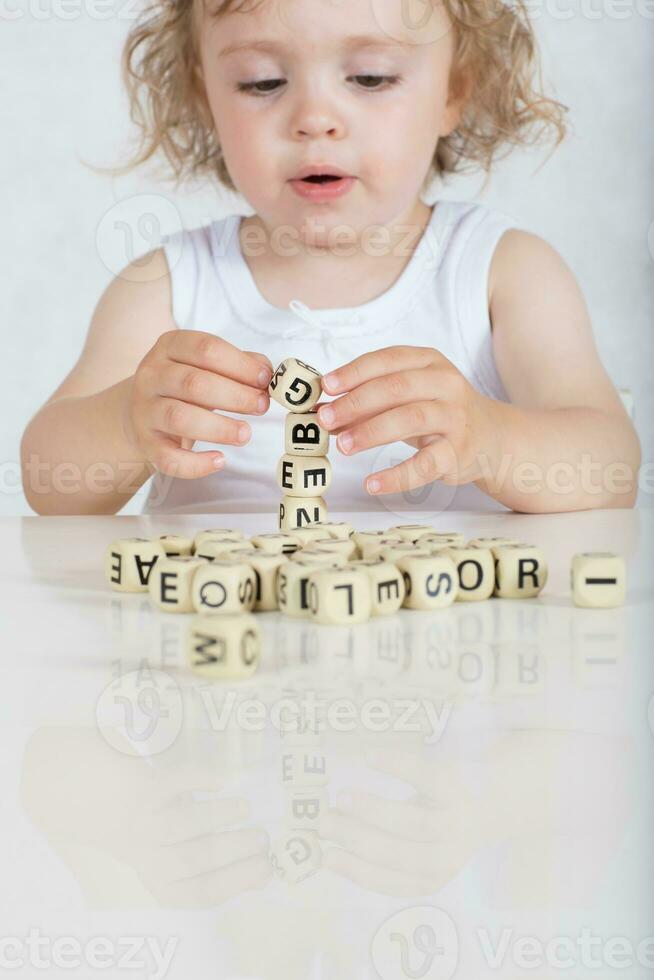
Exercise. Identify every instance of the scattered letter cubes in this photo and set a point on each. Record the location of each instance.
(172, 580)
(520, 571)
(430, 580)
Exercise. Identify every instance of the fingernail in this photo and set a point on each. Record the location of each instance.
(262, 403)
(330, 380)
(374, 486)
(218, 462)
(327, 416)
(345, 442)
(243, 433)
(264, 378)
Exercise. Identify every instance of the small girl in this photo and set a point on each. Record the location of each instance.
(442, 326)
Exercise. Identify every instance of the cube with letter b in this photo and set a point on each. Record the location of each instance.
(304, 477)
(304, 436)
(296, 385)
(222, 647)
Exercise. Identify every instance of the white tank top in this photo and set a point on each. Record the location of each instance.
(439, 300)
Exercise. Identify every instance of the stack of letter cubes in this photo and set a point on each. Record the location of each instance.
(304, 471)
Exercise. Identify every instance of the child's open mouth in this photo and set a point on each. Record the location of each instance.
(321, 178)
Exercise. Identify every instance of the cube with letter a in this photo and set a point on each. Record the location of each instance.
(304, 436)
(300, 511)
(129, 562)
(296, 385)
(304, 477)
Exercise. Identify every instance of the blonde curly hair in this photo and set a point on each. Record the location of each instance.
(494, 48)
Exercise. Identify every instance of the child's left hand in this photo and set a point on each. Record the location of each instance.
(417, 395)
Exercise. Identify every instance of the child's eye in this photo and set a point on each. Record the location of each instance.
(271, 84)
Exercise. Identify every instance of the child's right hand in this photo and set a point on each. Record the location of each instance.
(182, 378)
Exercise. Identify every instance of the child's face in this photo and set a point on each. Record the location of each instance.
(318, 104)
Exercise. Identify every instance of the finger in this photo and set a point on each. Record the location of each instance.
(209, 390)
(217, 887)
(264, 360)
(375, 396)
(375, 879)
(201, 855)
(420, 418)
(376, 364)
(435, 462)
(180, 823)
(211, 353)
(182, 419)
(184, 464)
(405, 817)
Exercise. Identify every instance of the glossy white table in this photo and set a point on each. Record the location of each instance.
(489, 772)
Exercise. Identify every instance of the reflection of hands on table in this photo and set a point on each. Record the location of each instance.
(79, 791)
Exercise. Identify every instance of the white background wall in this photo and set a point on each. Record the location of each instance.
(62, 104)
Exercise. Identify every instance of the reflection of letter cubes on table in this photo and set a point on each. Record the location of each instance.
(224, 646)
(304, 471)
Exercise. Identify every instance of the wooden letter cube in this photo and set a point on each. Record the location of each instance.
(296, 385)
(128, 563)
(223, 533)
(411, 532)
(218, 548)
(266, 570)
(171, 582)
(336, 546)
(319, 556)
(296, 855)
(304, 436)
(176, 545)
(396, 550)
(340, 596)
(310, 534)
(297, 512)
(520, 570)
(387, 587)
(430, 581)
(276, 544)
(373, 537)
(305, 807)
(491, 543)
(304, 476)
(340, 530)
(372, 547)
(476, 572)
(454, 538)
(224, 647)
(224, 586)
(598, 579)
(293, 582)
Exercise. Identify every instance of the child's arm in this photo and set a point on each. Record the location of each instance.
(75, 457)
(564, 443)
(109, 425)
(567, 442)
